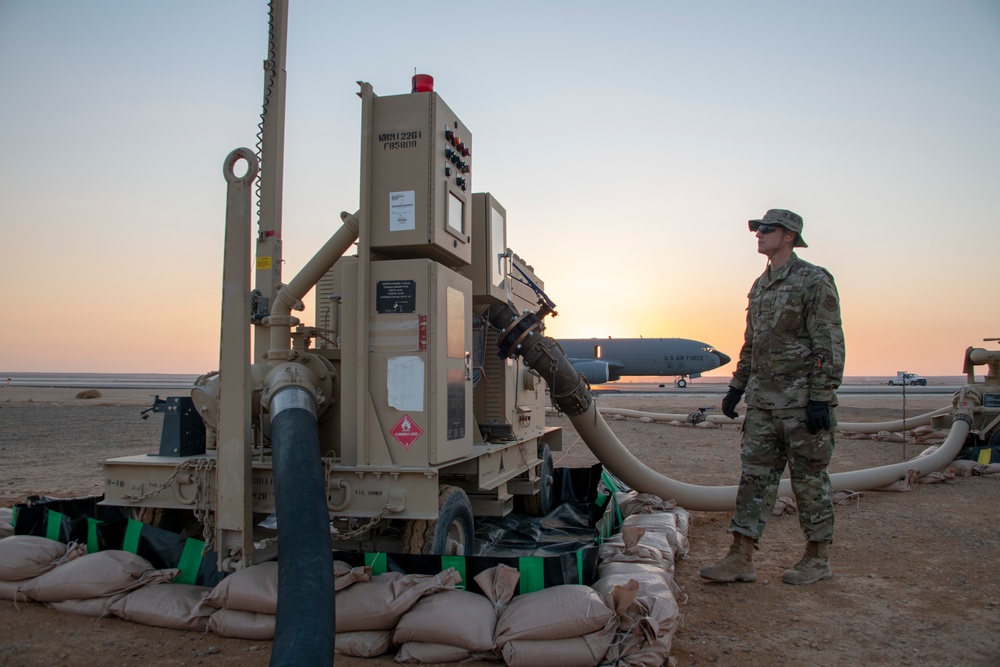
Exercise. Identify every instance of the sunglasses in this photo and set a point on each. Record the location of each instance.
(767, 229)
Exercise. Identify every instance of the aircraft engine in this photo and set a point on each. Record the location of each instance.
(596, 372)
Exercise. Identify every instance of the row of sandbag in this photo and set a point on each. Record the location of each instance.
(627, 618)
(424, 615)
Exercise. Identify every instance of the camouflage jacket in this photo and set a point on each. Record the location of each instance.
(793, 349)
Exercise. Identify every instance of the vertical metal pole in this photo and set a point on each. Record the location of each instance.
(233, 515)
(272, 165)
(367, 96)
(904, 415)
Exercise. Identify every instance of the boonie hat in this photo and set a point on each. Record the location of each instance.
(779, 216)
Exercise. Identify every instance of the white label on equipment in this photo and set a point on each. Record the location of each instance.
(405, 383)
(402, 216)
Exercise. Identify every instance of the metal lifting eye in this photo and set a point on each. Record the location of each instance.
(230, 163)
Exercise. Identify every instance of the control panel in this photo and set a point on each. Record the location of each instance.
(421, 180)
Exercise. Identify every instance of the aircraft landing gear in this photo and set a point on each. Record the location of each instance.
(681, 382)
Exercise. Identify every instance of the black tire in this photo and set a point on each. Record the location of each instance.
(541, 503)
(682, 383)
(913, 383)
(891, 383)
(923, 383)
(177, 521)
(451, 534)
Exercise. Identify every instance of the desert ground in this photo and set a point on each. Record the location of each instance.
(915, 573)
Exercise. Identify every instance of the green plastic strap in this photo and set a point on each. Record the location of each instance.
(457, 562)
(92, 544)
(377, 562)
(532, 569)
(579, 566)
(131, 541)
(190, 562)
(53, 525)
(612, 487)
(13, 517)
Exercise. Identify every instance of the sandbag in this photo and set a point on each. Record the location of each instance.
(902, 485)
(649, 582)
(94, 607)
(454, 626)
(8, 590)
(612, 568)
(95, 575)
(242, 624)
(661, 522)
(586, 651)
(252, 589)
(938, 477)
(650, 540)
(637, 502)
(378, 604)
(457, 618)
(429, 653)
(647, 503)
(965, 467)
(846, 496)
(363, 644)
(177, 607)
(784, 505)
(256, 588)
(646, 626)
(559, 612)
(27, 556)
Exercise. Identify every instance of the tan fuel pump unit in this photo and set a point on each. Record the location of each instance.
(419, 424)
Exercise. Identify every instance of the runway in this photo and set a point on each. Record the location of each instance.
(695, 388)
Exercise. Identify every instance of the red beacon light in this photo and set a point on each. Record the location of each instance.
(423, 83)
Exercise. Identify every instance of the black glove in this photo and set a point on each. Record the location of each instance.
(730, 402)
(818, 416)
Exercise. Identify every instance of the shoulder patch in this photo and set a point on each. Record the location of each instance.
(830, 302)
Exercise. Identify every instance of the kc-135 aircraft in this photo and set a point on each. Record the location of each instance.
(608, 359)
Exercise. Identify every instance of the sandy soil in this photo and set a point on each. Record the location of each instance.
(915, 573)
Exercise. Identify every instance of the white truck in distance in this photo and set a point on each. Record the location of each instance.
(911, 379)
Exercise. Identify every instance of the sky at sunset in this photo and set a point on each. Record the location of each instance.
(629, 143)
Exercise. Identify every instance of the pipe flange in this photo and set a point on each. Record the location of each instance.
(965, 417)
(307, 372)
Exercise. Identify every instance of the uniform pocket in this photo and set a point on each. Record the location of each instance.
(787, 313)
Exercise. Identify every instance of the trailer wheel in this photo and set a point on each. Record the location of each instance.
(451, 534)
(541, 503)
(177, 521)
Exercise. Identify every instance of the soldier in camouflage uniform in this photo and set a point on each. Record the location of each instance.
(790, 367)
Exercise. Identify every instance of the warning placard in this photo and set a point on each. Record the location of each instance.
(406, 431)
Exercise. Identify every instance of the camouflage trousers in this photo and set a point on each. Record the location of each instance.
(772, 439)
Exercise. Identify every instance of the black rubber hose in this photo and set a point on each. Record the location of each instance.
(306, 619)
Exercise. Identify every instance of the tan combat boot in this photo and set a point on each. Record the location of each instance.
(737, 565)
(814, 566)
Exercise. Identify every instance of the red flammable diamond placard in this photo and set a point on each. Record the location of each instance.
(406, 431)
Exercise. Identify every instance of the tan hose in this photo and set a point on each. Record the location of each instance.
(570, 393)
(854, 427)
(622, 463)
(667, 417)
